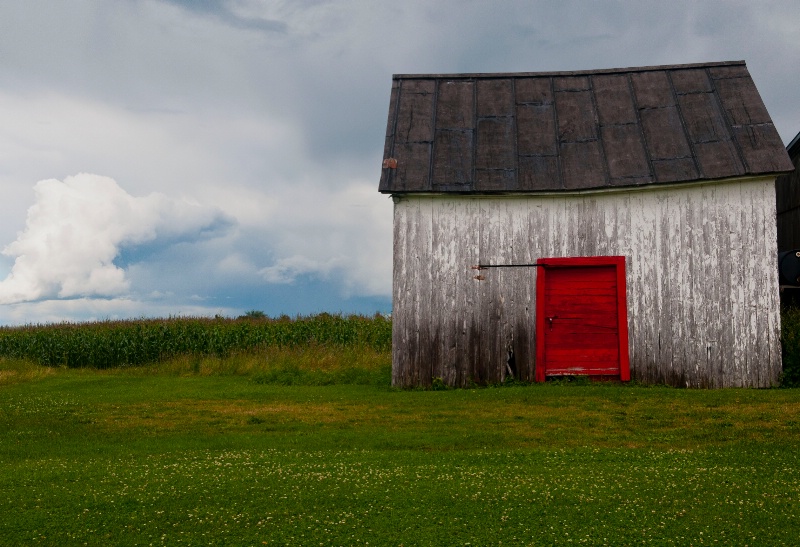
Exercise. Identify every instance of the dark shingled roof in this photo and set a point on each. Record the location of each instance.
(557, 131)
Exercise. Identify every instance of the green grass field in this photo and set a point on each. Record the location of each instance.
(233, 451)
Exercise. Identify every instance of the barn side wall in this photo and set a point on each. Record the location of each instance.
(702, 284)
(787, 197)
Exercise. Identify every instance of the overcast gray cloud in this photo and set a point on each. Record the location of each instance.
(265, 119)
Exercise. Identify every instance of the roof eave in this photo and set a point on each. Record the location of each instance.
(593, 190)
(476, 75)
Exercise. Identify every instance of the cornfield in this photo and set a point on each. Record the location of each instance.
(109, 344)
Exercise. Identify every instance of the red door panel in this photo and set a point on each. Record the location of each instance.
(581, 317)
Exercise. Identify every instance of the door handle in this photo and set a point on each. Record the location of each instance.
(550, 321)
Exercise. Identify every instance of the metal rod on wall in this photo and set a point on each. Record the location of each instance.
(487, 266)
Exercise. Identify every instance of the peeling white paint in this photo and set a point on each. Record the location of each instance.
(701, 276)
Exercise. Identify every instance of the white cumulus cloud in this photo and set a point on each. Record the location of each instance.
(76, 229)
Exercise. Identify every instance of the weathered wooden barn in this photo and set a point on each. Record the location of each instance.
(787, 201)
(623, 222)
(787, 204)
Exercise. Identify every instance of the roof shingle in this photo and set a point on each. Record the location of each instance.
(567, 131)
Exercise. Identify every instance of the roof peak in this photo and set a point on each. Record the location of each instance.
(794, 143)
(484, 75)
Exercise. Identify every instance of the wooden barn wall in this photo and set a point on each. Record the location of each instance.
(702, 286)
(787, 197)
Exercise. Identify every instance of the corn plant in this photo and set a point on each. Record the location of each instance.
(108, 344)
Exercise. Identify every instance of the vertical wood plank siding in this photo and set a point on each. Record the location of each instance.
(702, 286)
(787, 197)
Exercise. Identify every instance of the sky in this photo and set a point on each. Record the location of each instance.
(199, 158)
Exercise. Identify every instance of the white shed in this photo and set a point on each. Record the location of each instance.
(623, 222)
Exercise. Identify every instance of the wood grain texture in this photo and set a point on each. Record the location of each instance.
(702, 288)
(582, 319)
(787, 200)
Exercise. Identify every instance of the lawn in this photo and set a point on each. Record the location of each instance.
(137, 457)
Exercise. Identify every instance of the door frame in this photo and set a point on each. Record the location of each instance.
(622, 309)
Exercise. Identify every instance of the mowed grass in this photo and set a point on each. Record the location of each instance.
(237, 451)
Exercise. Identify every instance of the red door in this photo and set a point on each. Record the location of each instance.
(581, 317)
